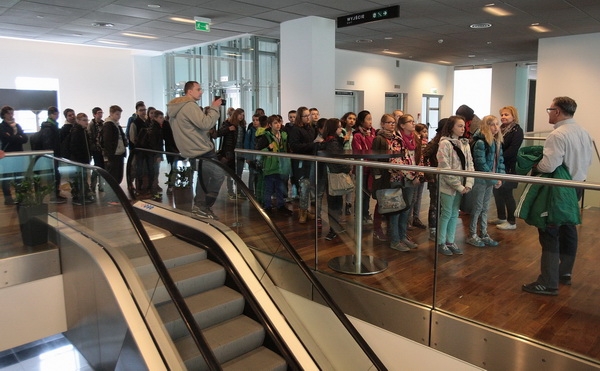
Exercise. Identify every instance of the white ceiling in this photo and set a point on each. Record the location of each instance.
(417, 34)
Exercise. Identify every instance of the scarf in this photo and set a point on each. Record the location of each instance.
(409, 141)
(506, 128)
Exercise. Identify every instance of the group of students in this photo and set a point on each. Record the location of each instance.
(462, 142)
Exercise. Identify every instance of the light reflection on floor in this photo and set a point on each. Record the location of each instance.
(55, 353)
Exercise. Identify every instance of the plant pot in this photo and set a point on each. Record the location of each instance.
(33, 220)
(183, 198)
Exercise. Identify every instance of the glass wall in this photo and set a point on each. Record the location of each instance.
(244, 70)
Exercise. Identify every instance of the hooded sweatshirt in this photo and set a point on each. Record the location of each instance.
(191, 126)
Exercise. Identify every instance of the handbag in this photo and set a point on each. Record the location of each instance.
(339, 184)
(390, 200)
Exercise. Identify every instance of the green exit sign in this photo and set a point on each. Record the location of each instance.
(369, 16)
(202, 26)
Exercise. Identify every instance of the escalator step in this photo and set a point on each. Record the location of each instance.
(228, 341)
(262, 359)
(209, 308)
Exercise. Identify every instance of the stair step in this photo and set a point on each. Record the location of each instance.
(190, 279)
(209, 308)
(228, 341)
(262, 359)
(173, 251)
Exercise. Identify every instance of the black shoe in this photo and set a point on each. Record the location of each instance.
(331, 235)
(285, 211)
(536, 288)
(417, 223)
(565, 279)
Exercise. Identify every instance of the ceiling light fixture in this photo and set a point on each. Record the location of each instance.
(141, 36)
(112, 42)
(388, 38)
(537, 28)
(481, 25)
(103, 24)
(494, 10)
(387, 51)
(364, 41)
(153, 6)
(444, 62)
(183, 20)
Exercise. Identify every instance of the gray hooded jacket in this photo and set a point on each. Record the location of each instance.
(191, 126)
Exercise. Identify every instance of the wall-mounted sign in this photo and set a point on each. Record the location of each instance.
(369, 16)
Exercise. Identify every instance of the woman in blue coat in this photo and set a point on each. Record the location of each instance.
(487, 157)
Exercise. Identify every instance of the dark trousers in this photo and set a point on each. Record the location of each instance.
(505, 203)
(559, 249)
(208, 182)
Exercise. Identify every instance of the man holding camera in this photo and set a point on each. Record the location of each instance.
(191, 127)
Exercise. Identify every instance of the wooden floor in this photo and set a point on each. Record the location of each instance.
(483, 285)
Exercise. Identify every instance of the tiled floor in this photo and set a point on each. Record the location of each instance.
(51, 354)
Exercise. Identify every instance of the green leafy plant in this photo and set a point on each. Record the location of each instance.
(181, 177)
(31, 191)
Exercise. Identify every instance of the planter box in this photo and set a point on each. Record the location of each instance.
(33, 220)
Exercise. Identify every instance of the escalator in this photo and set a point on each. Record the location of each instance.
(233, 321)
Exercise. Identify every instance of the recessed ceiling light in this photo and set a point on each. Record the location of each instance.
(364, 41)
(103, 24)
(183, 20)
(471, 55)
(537, 28)
(489, 43)
(112, 42)
(40, 17)
(481, 25)
(444, 62)
(387, 51)
(153, 6)
(494, 10)
(140, 35)
(388, 38)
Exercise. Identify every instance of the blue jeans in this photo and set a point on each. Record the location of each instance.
(449, 206)
(273, 186)
(480, 195)
(209, 180)
(398, 222)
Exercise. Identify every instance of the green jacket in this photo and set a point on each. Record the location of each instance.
(270, 164)
(542, 205)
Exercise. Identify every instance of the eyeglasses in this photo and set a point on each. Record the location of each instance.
(551, 109)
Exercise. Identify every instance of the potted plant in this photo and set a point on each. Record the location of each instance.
(179, 180)
(32, 211)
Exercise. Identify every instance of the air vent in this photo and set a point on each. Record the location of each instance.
(103, 24)
(480, 25)
(349, 82)
(396, 86)
(364, 41)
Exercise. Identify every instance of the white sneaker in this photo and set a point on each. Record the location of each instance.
(498, 221)
(506, 226)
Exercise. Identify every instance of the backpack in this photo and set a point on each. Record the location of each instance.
(144, 137)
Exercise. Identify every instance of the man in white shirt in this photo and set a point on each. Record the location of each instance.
(571, 145)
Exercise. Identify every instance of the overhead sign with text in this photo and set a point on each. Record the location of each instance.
(369, 16)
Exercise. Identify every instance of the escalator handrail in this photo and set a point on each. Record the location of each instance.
(174, 293)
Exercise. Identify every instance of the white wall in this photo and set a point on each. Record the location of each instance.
(88, 76)
(569, 66)
(376, 75)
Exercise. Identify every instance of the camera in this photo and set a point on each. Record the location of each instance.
(221, 94)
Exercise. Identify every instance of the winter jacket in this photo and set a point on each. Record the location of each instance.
(112, 133)
(49, 137)
(448, 158)
(95, 131)
(191, 126)
(11, 141)
(250, 140)
(301, 141)
(334, 145)
(79, 145)
(542, 205)
(271, 164)
(381, 177)
(513, 139)
(362, 140)
(232, 139)
(485, 156)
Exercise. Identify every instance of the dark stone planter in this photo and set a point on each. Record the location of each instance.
(183, 198)
(33, 220)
